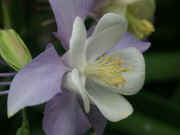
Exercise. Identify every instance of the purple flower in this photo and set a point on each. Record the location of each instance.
(82, 76)
(39, 82)
(42, 80)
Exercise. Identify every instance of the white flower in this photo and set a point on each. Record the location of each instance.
(100, 77)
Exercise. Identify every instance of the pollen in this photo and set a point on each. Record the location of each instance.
(146, 27)
(108, 69)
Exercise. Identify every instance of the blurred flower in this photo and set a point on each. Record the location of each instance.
(139, 14)
(13, 50)
(83, 71)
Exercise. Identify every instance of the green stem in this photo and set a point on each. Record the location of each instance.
(24, 115)
(6, 14)
(24, 129)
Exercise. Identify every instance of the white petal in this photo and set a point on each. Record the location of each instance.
(76, 53)
(113, 106)
(108, 20)
(76, 82)
(135, 77)
(110, 29)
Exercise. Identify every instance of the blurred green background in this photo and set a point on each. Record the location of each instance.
(157, 106)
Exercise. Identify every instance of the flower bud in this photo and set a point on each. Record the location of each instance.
(13, 50)
(139, 14)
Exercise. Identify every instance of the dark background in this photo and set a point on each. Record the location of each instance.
(157, 106)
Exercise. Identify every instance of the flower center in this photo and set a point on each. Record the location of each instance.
(108, 70)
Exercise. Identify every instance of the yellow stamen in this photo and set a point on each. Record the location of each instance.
(108, 70)
(147, 27)
(141, 27)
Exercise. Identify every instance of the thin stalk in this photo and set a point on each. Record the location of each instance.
(5, 83)
(24, 129)
(4, 92)
(7, 74)
(6, 14)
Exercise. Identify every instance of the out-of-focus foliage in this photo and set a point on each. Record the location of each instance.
(157, 106)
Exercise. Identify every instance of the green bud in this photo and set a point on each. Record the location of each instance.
(13, 50)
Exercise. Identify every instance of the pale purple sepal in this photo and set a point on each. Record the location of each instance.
(64, 116)
(130, 41)
(37, 82)
(65, 12)
(97, 120)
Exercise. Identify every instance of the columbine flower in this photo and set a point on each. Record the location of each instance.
(91, 70)
(50, 77)
(139, 14)
(99, 77)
